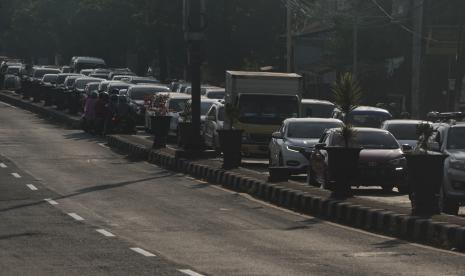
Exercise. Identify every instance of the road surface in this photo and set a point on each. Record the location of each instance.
(185, 223)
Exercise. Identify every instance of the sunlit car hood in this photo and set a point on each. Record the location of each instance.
(412, 143)
(304, 143)
(457, 154)
(380, 155)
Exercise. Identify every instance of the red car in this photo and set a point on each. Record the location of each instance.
(382, 162)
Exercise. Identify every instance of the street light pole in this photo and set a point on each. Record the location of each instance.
(355, 46)
(289, 36)
(194, 27)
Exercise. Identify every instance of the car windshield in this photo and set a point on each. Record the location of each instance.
(92, 86)
(216, 95)
(403, 131)
(142, 93)
(316, 110)
(456, 138)
(70, 81)
(309, 130)
(139, 81)
(50, 78)
(41, 72)
(267, 109)
(204, 107)
(369, 140)
(13, 70)
(81, 84)
(61, 79)
(374, 119)
(177, 105)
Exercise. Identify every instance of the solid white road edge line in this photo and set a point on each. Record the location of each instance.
(75, 216)
(105, 233)
(189, 272)
(32, 187)
(3, 166)
(16, 175)
(142, 252)
(51, 201)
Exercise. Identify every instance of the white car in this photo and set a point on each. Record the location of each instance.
(311, 108)
(214, 121)
(295, 136)
(405, 131)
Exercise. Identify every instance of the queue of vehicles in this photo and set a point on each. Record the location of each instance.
(276, 120)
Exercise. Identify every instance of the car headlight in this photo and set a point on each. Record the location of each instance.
(457, 164)
(294, 148)
(399, 162)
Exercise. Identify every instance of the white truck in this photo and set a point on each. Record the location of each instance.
(264, 101)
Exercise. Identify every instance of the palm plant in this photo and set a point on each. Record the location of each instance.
(348, 95)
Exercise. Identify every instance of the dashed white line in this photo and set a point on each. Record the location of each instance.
(142, 252)
(76, 216)
(103, 145)
(3, 166)
(16, 175)
(51, 201)
(190, 272)
(105, 233)
(32, 187)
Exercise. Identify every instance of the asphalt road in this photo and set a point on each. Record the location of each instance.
(184, 222)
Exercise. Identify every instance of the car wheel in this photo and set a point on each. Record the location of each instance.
(387, 188)
(446, 205)
(403, 189)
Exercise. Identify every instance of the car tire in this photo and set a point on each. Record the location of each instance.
(448, 206)
(403, 189)
(387, 188)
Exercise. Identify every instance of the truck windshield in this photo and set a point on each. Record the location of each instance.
(267, 109)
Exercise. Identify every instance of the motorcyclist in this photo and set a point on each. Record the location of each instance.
(89, 111)
(110, 114)
(100, 112)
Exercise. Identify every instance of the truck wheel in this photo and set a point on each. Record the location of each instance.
(448, 206)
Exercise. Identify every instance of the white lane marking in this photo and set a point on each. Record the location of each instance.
(3, 166)
(32, 187)
(189, 272)
(105, 233)
(103, 145)
(16, 175)
(76, 216)
(51, 201)
(142, 252)
(9, 105)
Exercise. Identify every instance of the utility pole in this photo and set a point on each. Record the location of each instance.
(417, 52)
(460, 62)
(355, 46)
(194, 26)
(289, 36)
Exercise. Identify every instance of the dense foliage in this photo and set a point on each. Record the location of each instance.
(241, 34)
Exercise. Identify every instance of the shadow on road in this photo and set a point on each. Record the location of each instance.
(80, 136)
(163, 174)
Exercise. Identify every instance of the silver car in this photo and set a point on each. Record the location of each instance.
(449, 139)
(405, 131)
(295, 136)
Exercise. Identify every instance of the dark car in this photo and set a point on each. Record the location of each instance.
(382, 162)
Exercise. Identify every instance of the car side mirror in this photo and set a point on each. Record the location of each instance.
(277, 135)
(320, 146)
(406, 148)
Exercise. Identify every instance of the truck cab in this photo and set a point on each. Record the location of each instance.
(264, 101)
